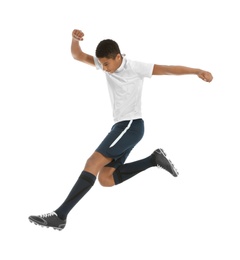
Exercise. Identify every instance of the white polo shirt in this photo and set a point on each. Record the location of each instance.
(125, 88)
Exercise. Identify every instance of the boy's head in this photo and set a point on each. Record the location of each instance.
(109, 55)
(107, 49)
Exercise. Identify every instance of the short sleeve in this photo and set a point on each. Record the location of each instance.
(97, 63)
(143, 69)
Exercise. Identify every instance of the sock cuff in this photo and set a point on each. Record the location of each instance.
(87, 176)
(117, 177)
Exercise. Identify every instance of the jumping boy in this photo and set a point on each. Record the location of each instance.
(125, 80)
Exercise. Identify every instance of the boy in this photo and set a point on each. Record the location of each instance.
(125, 80)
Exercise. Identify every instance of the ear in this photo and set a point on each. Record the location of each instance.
(119, 56)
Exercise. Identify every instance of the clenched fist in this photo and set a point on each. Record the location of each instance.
(77, 35)
(205, 75)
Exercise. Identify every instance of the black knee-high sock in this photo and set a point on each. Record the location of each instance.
(81, 187)
(128, 170)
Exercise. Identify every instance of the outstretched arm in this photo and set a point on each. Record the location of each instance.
(181, 70)
(76, 50)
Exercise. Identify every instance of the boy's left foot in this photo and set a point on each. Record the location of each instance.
(162, 161)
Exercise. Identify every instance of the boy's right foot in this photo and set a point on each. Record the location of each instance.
(48, 220)
(162, 161)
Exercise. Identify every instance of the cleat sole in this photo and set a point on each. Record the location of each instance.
(174, 169)
(55, 228)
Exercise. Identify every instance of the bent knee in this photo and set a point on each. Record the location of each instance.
(105, 180)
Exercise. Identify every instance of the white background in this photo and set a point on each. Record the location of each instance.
(54, 111)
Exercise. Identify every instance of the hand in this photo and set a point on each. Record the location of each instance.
(77, 35)
(205, 75)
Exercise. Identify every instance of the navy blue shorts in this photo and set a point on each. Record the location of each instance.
(120, 141)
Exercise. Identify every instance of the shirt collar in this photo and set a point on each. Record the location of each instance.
(122, 64)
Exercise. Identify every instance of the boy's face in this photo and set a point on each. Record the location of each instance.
(111, 65)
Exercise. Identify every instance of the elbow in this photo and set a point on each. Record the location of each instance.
(74, 57)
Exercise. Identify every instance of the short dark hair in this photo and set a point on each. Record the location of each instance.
(107, 49)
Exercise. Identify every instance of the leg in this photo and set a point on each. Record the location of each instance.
(86, 180)
(121, 172)
(84, 183)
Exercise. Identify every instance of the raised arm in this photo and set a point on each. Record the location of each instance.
(181, 70)
(76, 50)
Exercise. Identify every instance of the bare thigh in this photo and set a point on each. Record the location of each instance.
(96, 162)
